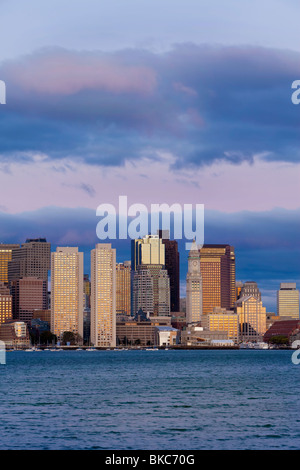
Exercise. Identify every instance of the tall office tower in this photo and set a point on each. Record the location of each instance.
(149, 252)
(123, 301)
(142, 291)
(218, 275)
(172, 266)
(5, 257)
(67, 291)
(252, 318)
(5, 303)
(288, 300)
(32, 259)
(103, 295)
(194, 307)
(250, 288)
(151, 290)
(28, 294)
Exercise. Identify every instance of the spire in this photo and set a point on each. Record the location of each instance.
(194, 246)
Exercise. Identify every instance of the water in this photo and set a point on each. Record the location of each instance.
(181, 400)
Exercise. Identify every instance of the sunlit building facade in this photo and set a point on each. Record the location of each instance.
(288, 301)
(103, 295)
(252, 318)
(5, 258)
(123, 296)
(5, 303)
(67, 291)
(218, 276)
(224, 320)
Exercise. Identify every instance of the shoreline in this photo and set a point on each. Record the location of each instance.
(146, 348)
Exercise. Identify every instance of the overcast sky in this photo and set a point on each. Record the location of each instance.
(163, 101)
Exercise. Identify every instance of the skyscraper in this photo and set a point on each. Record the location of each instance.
(288, 301)
(142, 291)
(103, 295)
(67, 291)
(123, 301)
(148, 254)
(172, 267)
(32, 259)
(194, 308)
(218, 275)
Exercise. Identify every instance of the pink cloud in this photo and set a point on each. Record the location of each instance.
(65, 73)
(185, 89)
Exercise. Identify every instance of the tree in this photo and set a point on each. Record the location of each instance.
(279, 339)
(68, 337)
(47, 337)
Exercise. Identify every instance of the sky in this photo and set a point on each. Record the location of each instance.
(171, 101)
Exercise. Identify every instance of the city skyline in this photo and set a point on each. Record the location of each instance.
(149, 227)
(174, 107)
(269, 301)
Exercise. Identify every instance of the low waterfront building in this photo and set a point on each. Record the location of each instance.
(140, 330)
(197, 335)
(14, 334)
(283, 328)
(167, 336)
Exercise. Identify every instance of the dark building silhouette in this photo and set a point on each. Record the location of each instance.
(172, 266)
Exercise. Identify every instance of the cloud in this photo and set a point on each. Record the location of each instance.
(60, 72)
(203, 104)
